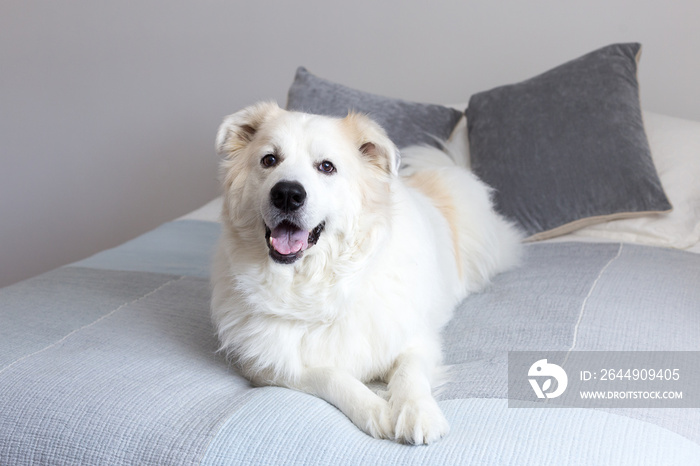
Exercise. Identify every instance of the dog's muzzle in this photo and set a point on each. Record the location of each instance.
(287, 241)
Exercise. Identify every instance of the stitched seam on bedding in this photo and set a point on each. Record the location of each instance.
(73, 332)
(216, 430)
(585, 300)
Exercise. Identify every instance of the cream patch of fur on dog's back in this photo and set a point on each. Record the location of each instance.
(430, 184)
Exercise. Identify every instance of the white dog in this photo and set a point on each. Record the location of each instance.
(335, 270)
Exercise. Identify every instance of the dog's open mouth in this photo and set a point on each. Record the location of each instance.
(287, 242)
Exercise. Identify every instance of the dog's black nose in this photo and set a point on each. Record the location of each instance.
(288, 196)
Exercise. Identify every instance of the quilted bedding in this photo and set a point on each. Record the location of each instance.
(112, 360)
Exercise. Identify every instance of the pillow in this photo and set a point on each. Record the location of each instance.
(675, 148)
(567, 148)
(406, 123)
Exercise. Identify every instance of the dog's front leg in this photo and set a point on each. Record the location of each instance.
(365, 409)
(416, 416)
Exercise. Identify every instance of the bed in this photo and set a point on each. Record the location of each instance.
(113, 359)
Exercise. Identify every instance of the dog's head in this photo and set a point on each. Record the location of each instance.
(292, 180)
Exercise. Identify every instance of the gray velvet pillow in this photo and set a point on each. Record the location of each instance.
(567, 148)
(406, 123)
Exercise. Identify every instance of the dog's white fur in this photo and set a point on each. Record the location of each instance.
(368, 301)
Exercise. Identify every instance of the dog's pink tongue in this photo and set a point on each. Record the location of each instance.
(288, 240)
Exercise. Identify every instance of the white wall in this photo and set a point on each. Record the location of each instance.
(108, 110)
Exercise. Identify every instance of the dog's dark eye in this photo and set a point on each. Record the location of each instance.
(326, 167)
(268, 161)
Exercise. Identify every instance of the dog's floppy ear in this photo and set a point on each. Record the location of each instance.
(238, 130)
(373, 142)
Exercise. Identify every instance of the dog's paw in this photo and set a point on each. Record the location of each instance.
(375, 420)
(419, 421)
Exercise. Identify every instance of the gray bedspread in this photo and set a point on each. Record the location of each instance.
(112, 360)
